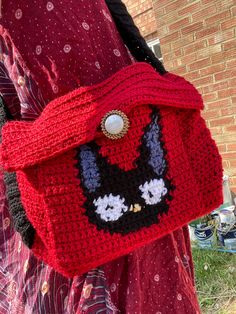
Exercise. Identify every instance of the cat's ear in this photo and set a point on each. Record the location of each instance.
(89, 171)
(151, 150)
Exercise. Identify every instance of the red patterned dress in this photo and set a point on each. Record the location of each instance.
(49, 48)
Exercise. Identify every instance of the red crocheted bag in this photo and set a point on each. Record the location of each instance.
(108, 168)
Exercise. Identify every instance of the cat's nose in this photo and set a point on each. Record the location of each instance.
(135, 208)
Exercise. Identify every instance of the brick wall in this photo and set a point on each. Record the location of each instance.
(144, 16)
(198, 41)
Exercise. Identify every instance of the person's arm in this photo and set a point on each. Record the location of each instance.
(131, 35)
(10, 110)
(8, 93)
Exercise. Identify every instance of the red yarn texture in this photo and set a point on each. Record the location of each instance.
(43, 155)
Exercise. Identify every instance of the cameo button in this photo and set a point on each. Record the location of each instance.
(115, 124)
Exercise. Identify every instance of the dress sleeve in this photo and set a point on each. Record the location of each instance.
(10, 109)
(8, 91)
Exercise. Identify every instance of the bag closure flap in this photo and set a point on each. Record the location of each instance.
(73, 119)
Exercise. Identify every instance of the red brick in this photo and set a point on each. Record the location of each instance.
(231, 147)
(178, 52)
(222, 121)
(165, 48)
(225, 4)
(182, 42)
(188, 58)
(216, 130)
(217, 17)
(209, 51)
(233, 165)
(207, 31)
(169, 65)
(203, 81)
(168, 57)
(230, 54)
(224, 55)
(200, 64)
(221, 36)
(204, 13)
(233, 188)
(212, 69)
(177, 63)
(175, 5)
(162, 31)
(179, 24)
(195, 46)
(192, 75)
(181, 70)
(226, 164)
(231, 128)
(161, 3)
(225, 137)
(233, 10)
(231, 64)
(225, 74)
(206, 2)
(217, 57)
(211, 114)
(219, 104)
(229, 44)
(228, 111)
(209, 97)
(166, 19)
(192, 28)
(215, 87)
(232, 83)
(228, 156)
(225, 93)
(189, 9)
(228, 24)
(170, 38)
(222, 148)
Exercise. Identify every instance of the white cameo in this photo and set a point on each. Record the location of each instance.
(110, 207)
(153, 191)
(114, 124)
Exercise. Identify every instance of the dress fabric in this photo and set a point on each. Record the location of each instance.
(49, 48)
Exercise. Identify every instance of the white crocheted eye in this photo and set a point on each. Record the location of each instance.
(152, 191)
(110, 207)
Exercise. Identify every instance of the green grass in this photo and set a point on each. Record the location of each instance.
(216, 280)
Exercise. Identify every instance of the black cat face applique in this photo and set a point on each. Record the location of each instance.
(121, 201)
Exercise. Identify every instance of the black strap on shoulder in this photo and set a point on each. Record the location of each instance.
(131, 35)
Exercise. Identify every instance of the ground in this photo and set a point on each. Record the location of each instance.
(216, 281)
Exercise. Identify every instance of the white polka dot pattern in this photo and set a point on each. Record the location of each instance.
(67, 48)
(38, 49)
(18, 14)
(50, 6)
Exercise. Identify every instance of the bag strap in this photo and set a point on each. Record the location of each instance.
(73, 119)
(131, 35)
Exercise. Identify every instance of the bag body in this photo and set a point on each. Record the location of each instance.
(91, 197)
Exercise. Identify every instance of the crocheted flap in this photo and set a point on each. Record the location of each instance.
(74, 119)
